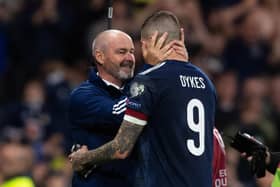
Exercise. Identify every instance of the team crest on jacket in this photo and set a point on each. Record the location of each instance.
(136, 89)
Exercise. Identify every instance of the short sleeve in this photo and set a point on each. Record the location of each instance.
(142, 96)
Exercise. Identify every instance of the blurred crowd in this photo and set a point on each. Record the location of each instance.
(45, 52)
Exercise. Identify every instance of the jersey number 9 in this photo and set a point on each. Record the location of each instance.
(197, 126)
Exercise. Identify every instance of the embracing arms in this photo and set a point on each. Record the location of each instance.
(119, 148)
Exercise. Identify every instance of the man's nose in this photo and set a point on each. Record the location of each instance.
(130, 57)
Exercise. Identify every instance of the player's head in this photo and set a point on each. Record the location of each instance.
(113, 51)
(161, 21)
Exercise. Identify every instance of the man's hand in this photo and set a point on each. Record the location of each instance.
(77, 159)
(249, 158)
(155, 50)
(85, 161)
(254, 150)
(179, 46)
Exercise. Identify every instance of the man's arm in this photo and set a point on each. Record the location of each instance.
(119, 148)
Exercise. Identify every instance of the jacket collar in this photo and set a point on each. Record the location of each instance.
(96, 80)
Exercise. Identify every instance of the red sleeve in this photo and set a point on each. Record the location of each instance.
(219, 161)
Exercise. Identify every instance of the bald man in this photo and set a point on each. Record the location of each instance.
(114, 54)
(97, 106)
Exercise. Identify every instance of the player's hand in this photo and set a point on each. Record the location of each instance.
(78, 159)
(179, 46)
(155, 50)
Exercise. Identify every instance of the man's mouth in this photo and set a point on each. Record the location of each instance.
(128, 64)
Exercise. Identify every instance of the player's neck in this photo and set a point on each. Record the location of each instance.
(175, 56)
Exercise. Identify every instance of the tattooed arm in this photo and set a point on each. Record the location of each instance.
(119, 148)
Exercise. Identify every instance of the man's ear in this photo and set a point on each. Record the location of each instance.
(144, 48)
(99, 56)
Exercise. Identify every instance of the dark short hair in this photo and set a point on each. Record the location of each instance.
(162, 21)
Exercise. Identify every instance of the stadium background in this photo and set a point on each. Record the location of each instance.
(45, 52)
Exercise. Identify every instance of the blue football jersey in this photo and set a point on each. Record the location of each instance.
(176, 102)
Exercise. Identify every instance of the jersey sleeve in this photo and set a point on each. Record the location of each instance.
(219, 161)
(87, 109)
(142, 99)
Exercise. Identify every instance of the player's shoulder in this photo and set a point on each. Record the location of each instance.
(158, 72)
(202, 73)
(151, 69)
(196, 69)
(172, 66)
(147, 75)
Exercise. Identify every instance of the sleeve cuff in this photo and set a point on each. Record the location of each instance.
(135, 120)
(135, 117)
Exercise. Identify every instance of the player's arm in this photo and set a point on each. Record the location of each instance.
(139, 107)
(119, 148)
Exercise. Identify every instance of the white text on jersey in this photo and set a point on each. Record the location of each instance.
(192, 82)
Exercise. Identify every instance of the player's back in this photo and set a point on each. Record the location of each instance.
(176, 146)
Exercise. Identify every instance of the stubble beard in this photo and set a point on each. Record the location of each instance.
(125, 76)
(120, 74)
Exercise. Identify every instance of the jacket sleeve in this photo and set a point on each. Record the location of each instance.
(88, 109)
(274, 162)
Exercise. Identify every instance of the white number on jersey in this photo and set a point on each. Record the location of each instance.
(197, 127)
